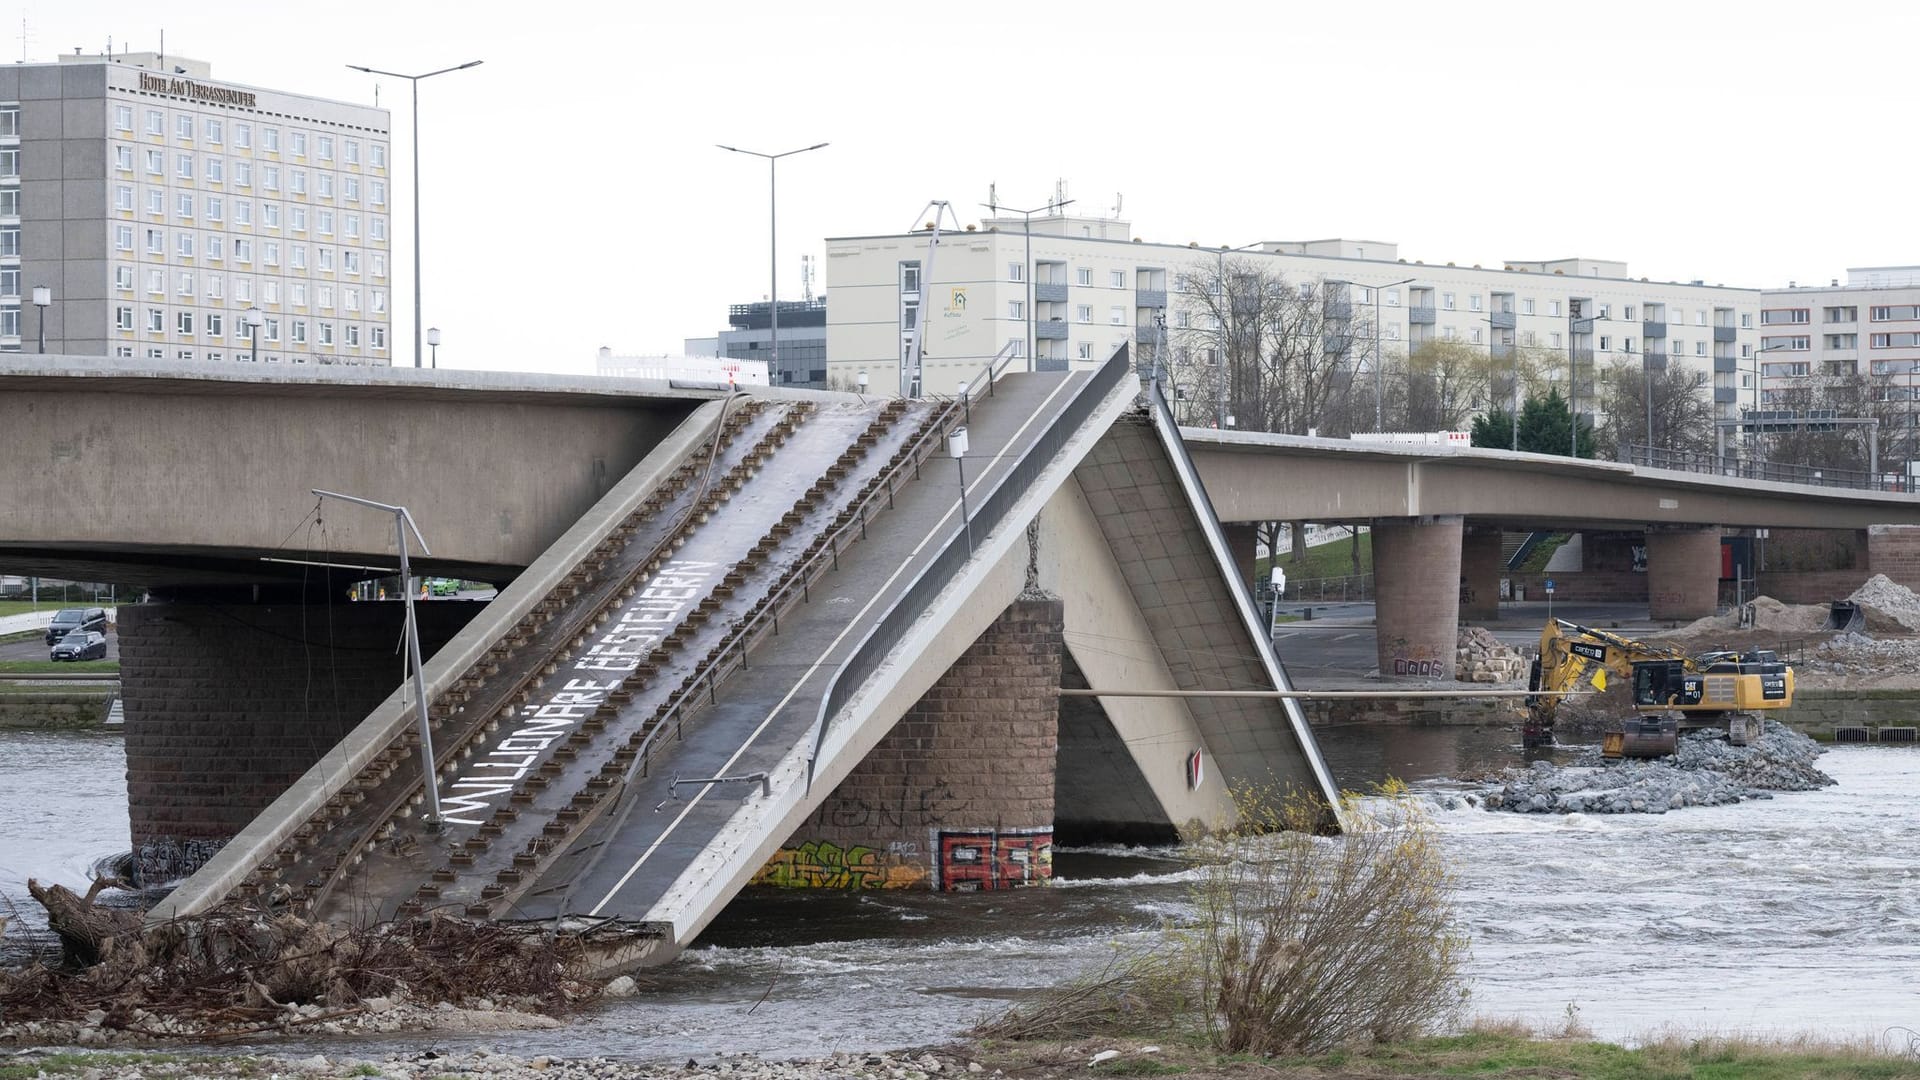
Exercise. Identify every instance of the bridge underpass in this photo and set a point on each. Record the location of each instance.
(722, 618)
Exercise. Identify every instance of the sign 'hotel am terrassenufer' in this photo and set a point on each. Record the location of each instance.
(187, 88)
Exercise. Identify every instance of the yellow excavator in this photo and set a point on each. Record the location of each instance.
(1672, 690)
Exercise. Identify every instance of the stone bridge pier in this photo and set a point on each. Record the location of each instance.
(1417, 586)
(229, 700)
(1683, 572)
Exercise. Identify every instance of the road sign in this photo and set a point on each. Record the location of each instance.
(1549, 586)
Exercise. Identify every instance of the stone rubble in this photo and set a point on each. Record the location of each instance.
(1481, 658)
(1704, 771)
(481, 1061)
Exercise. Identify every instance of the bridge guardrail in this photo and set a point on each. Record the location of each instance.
(1780, 472)
(873, 649)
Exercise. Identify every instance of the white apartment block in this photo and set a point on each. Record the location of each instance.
(160, 208)
(1089, 286)
(1869, 325)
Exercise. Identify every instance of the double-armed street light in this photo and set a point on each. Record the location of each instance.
(773, 249)
(414, 80)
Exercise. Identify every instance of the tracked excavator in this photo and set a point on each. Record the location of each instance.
(1673, 691)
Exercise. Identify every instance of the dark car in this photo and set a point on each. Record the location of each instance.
(81, 645)
(67, 620)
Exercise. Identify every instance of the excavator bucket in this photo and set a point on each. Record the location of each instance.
(1845, 615)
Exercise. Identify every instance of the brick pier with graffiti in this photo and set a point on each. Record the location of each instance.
(958, 797)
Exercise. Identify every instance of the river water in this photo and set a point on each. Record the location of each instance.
(1796, 914)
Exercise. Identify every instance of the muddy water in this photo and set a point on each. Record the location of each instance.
(1801, 913)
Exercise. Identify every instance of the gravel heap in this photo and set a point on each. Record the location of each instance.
(1704, 771)
(1769, 616)
(1481, 658)
(1862, 656)
(483, 1062)
(1891, 599)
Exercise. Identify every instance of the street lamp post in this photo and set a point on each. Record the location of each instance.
(415, 81)
(1379, 380)
(1574, 317)
(42, 297)
(957, 446)
(1231, 326)
(433, 342)
(773, 250)
(252, 318)
(1026, 217)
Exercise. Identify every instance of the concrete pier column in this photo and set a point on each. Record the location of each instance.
(1683, 572)
(1243, 542)
(1416, 579)
(959, 796)
(228, 704)
(1480, 574)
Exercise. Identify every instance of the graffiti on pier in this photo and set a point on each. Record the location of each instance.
(994, 859)
(912, 808)
(822, 864)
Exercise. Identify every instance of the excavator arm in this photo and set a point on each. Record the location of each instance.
(1572, 657)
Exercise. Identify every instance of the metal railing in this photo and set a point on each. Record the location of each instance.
(1318, 590)
(873, 649)
(1696, 462)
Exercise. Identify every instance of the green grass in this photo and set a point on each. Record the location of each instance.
(22, 607)
(57, 667)
(1325, 561)
(75, 1062)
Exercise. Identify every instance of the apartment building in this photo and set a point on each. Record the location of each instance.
(802, 340)
(172, 217)
(1077, 287)
(1870, 325)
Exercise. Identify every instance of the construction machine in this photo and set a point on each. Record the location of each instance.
(1673, 691)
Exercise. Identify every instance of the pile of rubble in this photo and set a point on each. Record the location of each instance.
(1705, 770)
(1480, 658)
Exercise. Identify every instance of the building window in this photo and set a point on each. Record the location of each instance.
(186, 283)
(156, 320)
(243, 212)
(242, 249)
(377, 192)
(242, 293)
(377, 155)
(326, 334)
(183, 166)
(1842, 341)
(379, 297)
(325, 188)
(216, 171)
(326, 223)
(243, 136)
(156, 282)
(123, 198)
(379, 266)
(156, 122)
(297, 181)
(1553, 340)
(353, 336)
(122, 279)
(157, 202)
(1446, 302)
(351, 151)
(183, 205)
(156, 242)
(1016, 309)
(298, 142)
(326, 147)
(1894, 341)
(297, 257)
(1086, 350)
(1553, 309)
(352, 298)
(123, 158)
(1627, 314)
(1746, 320)
(1606, 343)
(1473, 302)
(1895, 313)
(243, 174)
(270, 177)
(299, 331)
(183, 244)
(216, 208)
(353, 226)
(298, 216)
(123, 318)
(377, 228)
(183, 323)
(297, 294)
(123, 118)
(183, 127)
(325, 264)
(1792, 344)
(270, 215)
(324, 293)
(270, 252)
(216, 247)
(1083, 313)
(1779, 316)
(1083, 275)
(350, 261)
(1116, 316)
(214, 291)
(270, 139)
(271, 331)
(1116, 279)
(156, 163)
(1016, 272)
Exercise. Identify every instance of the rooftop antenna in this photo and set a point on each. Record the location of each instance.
(1059, 191)
(1116, 204)
(23, 39)
(806, 278)
(993, 199)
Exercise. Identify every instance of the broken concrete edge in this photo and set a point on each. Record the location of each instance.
(1202, 508)
(215, 880)
(960, 613)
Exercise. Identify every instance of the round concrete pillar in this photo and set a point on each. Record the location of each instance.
(1416, 580)
(1480, 574)
(1683, 573)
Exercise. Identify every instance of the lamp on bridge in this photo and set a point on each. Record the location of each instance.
(252, 318)
(860, 381)
(433, 342)
(42, 296)
(957, 446)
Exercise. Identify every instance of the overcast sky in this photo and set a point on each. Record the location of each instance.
(573, 196)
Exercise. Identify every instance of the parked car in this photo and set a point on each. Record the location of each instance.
(81, 645)
(443, 586)
(67, 620)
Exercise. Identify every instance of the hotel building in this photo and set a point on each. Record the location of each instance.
(173, 217)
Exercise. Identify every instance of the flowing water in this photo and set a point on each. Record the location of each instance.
(1796, 914)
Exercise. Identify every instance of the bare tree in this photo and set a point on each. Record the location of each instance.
(1839, 395)
(1272, 354)
(1682, 412)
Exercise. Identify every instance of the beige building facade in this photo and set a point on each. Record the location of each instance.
(171, 216)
